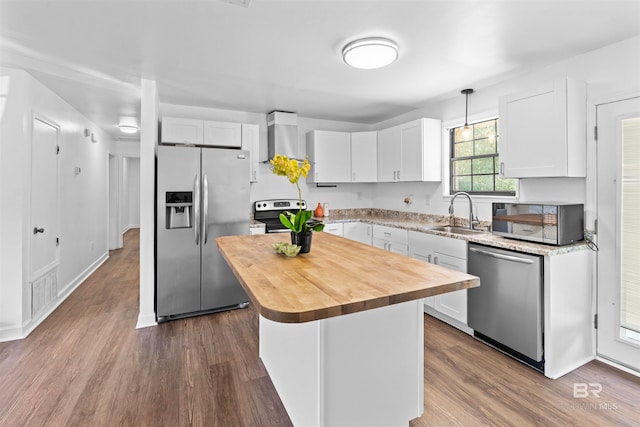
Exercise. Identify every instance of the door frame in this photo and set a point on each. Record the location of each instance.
(591, 200)
(31, 276)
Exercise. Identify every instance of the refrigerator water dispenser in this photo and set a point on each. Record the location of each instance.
(179, 206)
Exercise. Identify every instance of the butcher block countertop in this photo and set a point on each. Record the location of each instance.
(337, 277)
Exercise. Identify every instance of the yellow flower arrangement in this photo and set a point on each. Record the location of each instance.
(293, 170)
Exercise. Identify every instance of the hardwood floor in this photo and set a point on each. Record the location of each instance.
(88, 365)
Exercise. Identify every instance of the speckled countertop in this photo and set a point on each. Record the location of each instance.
(422, 222)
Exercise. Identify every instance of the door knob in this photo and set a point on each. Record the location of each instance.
(37, 230)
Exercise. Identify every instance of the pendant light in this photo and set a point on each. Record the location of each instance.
(466, 131)
(370, 53)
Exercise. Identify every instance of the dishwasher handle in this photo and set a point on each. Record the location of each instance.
(502, 256)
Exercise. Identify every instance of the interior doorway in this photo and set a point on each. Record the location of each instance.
(44, 225)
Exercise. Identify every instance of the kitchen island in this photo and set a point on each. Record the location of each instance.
(341, 328)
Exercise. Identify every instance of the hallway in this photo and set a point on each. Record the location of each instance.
(88, 365)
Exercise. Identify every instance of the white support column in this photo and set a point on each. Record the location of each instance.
(148, 144)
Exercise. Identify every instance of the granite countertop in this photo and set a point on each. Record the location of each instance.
(421, 223)
(339, 276)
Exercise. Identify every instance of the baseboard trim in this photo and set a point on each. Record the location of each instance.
(11, 333)
(146, 320)
(79, 279)
(618, 366)
(28, 327)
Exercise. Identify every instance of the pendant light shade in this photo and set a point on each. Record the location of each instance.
(370, 53)
(466, 131)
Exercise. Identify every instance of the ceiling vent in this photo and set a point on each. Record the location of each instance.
(282, 133)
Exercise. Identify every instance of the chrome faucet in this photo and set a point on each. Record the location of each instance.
(473, 220)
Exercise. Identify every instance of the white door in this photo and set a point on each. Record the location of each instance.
(44, 198)
(618, 215)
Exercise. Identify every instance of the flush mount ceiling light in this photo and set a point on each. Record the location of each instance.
(128, 125)
(370, 53)
(466, 131)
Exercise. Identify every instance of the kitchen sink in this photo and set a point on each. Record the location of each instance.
(455, 230)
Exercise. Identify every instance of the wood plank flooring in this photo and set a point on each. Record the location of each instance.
(88, 365)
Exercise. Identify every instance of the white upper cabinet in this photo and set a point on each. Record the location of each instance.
(175, 130)
(251, 143)
(543, 132)
(329, 153)
(182, 131)
(410, 152)
(389, 154)
(364, 148)
(222, 134)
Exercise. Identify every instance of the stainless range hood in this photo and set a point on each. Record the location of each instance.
(282, 133)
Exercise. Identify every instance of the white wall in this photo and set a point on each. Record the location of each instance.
(83, 197)
(133, 189)
(130, 194)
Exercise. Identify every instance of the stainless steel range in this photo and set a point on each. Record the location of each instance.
(268, 211)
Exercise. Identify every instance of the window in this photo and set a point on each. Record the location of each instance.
(474, 161)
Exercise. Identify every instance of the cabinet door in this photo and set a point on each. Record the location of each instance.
(453, 304)
(542, 132)
(364, 158)
(380, 243)
(389, 154)
(251, 143)
(358, 231)
(330, 155)
(176, 130)
(222, 134)
(398, 248)
(425, 255)
(335, 228)
(411, 152)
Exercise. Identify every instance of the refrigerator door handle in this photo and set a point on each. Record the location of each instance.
(196, 207)
(205, 207)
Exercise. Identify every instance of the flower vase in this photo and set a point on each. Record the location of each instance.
(303, 240)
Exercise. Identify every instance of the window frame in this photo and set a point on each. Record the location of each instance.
(452, 145)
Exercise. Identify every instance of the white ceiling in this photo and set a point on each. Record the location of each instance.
(285, 54)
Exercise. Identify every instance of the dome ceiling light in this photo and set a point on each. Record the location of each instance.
(370, 53)
(128, 125)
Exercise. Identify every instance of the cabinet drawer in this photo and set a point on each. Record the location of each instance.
(336, 229)
(446, 245)
(391, 234)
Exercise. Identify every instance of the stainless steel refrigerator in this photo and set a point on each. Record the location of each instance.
(202, 193)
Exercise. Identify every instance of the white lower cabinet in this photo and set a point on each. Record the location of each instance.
(391, 239)
(334, 228)
(359, 231)
(449, 253)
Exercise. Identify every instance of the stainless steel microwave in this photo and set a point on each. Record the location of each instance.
(553, 224)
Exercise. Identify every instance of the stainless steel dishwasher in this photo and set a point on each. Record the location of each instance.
(506, 311)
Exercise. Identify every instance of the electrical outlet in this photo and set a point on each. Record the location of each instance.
(92, 246)
(427, 200)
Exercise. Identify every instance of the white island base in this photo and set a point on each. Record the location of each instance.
(360, 369)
